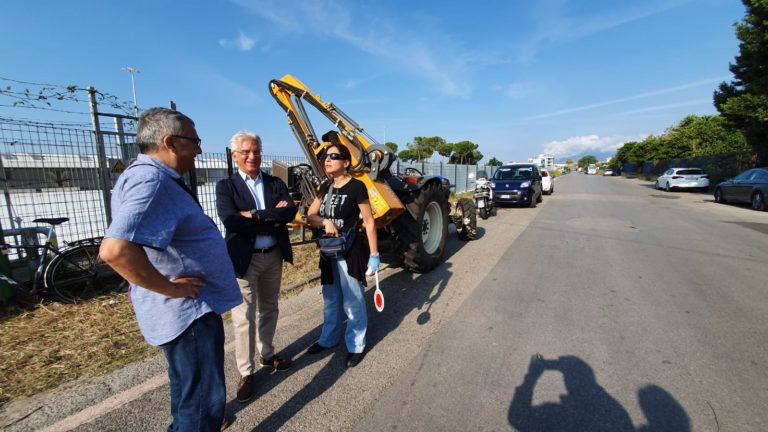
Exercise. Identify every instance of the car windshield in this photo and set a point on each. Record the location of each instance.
(513, 173)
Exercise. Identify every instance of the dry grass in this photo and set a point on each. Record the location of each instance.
(57, 343)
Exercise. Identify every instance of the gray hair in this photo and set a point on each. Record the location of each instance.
(155, 123)
(237, 138)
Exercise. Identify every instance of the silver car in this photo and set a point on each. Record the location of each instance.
(683, 178)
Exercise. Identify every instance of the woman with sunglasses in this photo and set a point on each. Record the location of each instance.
(338, 207)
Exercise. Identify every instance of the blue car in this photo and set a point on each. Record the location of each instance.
(518, 184)
(750, 186)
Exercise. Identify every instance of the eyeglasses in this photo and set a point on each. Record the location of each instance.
(197, 141)
(245, 153)
(332, 156)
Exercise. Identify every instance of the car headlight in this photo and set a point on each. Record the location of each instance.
(493, 185)
(525, 184)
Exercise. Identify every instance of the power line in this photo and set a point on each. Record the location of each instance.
(45, 109)
(38, 84)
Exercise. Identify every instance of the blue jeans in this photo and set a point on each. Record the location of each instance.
(343, 297)
(196, 372)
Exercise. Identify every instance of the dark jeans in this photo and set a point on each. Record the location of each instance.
(196, 372)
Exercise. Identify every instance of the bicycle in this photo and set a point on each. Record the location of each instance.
(70, 274)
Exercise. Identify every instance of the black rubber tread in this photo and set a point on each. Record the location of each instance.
(465, 209)
(758, 201)
(79, 274)
(484, 213)
(719, 196)
(408, 232)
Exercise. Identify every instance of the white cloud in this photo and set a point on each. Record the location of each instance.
(519, 90)
(556, 26)
(428, 55)
(695, 102)
(659, 92)
(243, 42)
(580, 144)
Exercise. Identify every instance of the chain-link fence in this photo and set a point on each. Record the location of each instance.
(52, 170)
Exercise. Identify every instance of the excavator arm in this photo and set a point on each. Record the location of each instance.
(370, 160)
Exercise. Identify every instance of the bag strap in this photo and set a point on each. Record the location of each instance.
(328, 200)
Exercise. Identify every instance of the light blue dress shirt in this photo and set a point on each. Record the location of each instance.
(256, 186)
(150, 209)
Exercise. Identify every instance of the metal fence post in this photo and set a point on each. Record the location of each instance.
(106, 182)
(121, 146)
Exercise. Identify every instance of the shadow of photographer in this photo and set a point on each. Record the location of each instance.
(587, 406)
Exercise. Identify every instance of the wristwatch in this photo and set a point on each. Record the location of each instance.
(254, 214)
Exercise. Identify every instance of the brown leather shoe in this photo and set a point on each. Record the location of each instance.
(276, 363)
(246, 388)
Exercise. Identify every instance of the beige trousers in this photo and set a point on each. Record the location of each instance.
(255, 320)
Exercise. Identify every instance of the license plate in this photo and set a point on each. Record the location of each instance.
(480, 204)
(504, 196)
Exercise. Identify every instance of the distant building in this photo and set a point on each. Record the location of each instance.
(544, 160)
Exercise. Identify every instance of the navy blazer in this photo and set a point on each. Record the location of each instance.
(234, 196)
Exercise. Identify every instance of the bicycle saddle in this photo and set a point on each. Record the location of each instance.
(52, 221)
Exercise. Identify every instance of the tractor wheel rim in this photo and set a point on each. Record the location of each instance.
(431, 227)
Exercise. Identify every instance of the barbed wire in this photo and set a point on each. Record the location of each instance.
(42, 97)
(31, 83)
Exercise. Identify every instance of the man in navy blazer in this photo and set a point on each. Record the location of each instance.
(255, 207)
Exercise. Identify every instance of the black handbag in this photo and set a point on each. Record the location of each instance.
(335, 247)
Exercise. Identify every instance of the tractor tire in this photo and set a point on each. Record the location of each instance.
(465, 219)
(422, 241)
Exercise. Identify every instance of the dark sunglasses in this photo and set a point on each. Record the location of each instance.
(332, 156)
(198, 142)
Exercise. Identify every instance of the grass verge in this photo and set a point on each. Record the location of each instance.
(57, 343)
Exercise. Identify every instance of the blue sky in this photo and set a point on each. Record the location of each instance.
(518, 78)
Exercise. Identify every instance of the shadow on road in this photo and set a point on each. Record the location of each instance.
(404, 292)
(587, 406)
(759, 227)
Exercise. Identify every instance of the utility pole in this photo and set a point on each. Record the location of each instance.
(133, 71)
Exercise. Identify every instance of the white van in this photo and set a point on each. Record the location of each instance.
(592, 169)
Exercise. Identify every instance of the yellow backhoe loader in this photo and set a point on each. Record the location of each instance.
(411, 210)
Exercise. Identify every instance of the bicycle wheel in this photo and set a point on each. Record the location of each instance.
(78, 274)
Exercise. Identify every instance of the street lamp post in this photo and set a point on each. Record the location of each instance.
(133, 71)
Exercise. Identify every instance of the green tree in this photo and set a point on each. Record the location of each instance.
(705, 135)
(586, 160)
(465, 152)
(392, 146)
(744, 101)
(405, 155)
(445, 149)
(494, 162)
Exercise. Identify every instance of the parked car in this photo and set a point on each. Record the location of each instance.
(683, 178)
(517, 184)
(608, 172)
(547, 182)
(750, 186)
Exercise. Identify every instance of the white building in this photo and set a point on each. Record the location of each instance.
(544, 160)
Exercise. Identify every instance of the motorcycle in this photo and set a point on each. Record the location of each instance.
(483, 195)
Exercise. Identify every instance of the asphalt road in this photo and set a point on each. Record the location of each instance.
(610, 307)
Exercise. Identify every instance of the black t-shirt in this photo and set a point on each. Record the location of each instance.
(341, 207)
